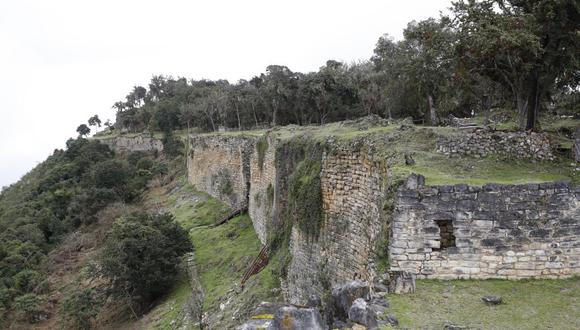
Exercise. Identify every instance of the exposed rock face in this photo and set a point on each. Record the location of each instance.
(220, 166)
(142, 142)
(294, 318)
(494, 231)
(482, 143)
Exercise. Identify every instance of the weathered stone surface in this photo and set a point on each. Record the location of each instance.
(220, 166)
(492, 300)
(494, 231)
(294, 318)
(344, 296)
(360, 313)
(402, 283)
(131, 143)
(259, 324)
(483, 143)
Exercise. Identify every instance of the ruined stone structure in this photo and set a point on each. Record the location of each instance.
(220, 166)
(131, 143)
(460, 231)
(262, 186)
(494, 231)
(482, 143)
(353, 190)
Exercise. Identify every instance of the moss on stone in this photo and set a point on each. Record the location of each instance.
(261, 148)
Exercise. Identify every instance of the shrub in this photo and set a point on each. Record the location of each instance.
(140, 255)
(79, 309)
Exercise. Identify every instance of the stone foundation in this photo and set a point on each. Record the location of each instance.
(499, 231)
(482, 143)
(142, 142)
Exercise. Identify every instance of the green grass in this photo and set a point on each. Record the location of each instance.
(171, 308)
(528, 304)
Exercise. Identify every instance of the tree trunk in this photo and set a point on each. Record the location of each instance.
(533, 103)
(238, 115)
(254, 112)
(522, 105)
(486, 105)
(432, 114)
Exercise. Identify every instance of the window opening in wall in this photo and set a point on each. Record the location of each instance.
(446, 237)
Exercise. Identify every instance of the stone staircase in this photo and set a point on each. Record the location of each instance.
(242, 208)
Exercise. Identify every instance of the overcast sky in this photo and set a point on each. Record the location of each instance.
(63, 61)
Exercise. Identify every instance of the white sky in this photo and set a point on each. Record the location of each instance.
(63, 61)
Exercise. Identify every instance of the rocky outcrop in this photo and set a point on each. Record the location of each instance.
(493, 231)
(131, 143)
(483, 143)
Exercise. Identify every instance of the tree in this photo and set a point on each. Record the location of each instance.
(140, 255)
(528, 46)
(83, 130)
(95, 121)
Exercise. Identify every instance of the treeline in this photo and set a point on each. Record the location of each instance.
(510, 54)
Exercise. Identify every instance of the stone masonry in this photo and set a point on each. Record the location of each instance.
(142, 142)
(482, 143)
(220, 166)
(497, 231)
(262, 188)
(353, 192)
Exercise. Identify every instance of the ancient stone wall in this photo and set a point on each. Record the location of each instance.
(262, 186)
(353, 189)
(494, 231)
(142, 142)
(220, 166)
(577, 144)
(482, 143)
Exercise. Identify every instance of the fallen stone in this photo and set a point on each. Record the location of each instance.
(294, 318)
(360, 313)
(402, 282)
(344, 296)
(451, 326)
(492, 300)
(389, 320)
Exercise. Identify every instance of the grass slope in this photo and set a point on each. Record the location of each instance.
(527, 304)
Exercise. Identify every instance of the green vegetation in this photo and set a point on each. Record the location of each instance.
(261, 147)
(140, 255)
(79, 309)
(305, 196)
(538, 304)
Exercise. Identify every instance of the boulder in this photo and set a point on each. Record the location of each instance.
(295, 318)
(344, 296)
(258, 324)
(492, 300)
(361, 313)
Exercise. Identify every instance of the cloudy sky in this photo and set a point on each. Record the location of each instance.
(63, 61)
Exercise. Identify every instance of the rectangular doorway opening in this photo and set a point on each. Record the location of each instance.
(446, 236)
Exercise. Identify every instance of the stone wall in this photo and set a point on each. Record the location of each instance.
(353, 189)
(498, 231)
(142, 142)
(262, 186)
(220, 166)
(482, 143)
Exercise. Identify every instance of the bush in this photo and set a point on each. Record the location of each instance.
(141, 254)
(28, 307)
(79, 309)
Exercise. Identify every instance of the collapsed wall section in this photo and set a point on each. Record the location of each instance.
(220, 166)
(494, 231)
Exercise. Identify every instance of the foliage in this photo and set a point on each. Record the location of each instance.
(140, 255)
(261, 148)
(83, 130)
(79, 309)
